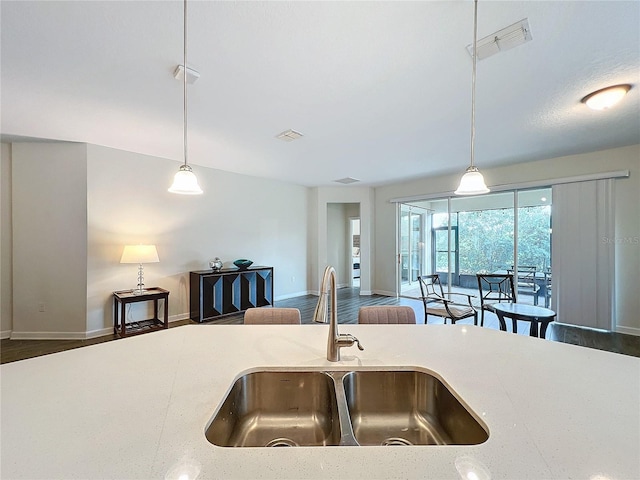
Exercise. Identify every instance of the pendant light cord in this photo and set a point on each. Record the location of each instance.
(184, 83)
(473, 79)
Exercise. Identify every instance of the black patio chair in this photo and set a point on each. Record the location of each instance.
(494, 288)
(527, 281)
(440, 304)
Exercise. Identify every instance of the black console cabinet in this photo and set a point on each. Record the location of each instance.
(227, 291)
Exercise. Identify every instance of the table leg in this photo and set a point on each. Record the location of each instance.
(503, 325)
(155, 310)
(123, 328)
(166, 311)
(543, 328)
(115, 315)
(514, 325)
(533, 330)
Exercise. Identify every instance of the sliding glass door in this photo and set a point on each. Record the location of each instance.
(412, 246)
(496, 233)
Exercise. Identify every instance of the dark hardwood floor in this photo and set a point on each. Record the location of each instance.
(349, 302)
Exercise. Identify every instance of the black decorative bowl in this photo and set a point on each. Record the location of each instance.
(242, 263)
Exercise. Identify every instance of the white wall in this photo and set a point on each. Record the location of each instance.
(627, 216)
(5, 242)
(49, 214)
(237, 217)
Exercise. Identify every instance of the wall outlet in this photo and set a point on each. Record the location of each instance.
(293, 279)
(41, 307)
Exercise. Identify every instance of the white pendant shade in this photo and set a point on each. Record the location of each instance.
(185, 182)
(472, 183)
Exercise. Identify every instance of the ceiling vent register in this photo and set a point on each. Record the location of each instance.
(504, 39)
(289, 135)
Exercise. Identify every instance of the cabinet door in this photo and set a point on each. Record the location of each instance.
(264, 287)
(212, 296)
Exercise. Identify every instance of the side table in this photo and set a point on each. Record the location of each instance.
(124, 297)
(527, 313)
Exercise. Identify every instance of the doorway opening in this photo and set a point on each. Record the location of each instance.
(354, 235)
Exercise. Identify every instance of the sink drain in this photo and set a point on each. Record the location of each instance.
(281, 442)
(395, 441)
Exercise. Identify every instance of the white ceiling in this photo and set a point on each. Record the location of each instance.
(380, 90)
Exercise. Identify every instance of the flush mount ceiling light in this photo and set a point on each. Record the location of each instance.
(289, 135)
(606, 97)
(472, 182)
(185, 181)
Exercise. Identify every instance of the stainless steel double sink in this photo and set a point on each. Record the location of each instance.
(273, 408)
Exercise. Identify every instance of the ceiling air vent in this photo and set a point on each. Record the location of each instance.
(289, 135)
(504, 39)
(347, 180)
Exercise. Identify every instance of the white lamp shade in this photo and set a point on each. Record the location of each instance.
(139, 254)
(606, 98)
(472, 183)
(185, 183)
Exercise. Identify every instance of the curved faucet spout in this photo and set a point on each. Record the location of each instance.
(335, 341)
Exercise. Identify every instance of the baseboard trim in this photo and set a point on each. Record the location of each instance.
(89, 334)
(49, 335)
(5, 334)
(385, 293)
(628, 330)
(178, 317)
(98, 333)
(292, 295)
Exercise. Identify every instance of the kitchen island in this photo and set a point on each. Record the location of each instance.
(138, 407)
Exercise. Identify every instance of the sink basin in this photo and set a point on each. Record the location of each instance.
(278, 409)
(407, 408)
(347, 408)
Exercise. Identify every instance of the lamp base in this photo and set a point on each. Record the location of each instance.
(139, 291)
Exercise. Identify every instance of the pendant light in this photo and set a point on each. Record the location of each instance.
(185, 181)
(472, 182)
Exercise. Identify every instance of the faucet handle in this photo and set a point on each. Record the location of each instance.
(360, 347)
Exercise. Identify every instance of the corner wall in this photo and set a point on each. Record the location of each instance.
(49, 214)
(6, 276)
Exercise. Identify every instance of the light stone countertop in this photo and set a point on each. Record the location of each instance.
(138, 407)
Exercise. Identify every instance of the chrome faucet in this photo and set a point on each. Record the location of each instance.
(336, 340)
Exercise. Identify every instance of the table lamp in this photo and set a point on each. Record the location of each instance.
(139, 254)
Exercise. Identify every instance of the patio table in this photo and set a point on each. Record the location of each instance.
(528, 313)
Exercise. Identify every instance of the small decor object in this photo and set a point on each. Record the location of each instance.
(242, 263)
(215, 264)
(139, 254)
